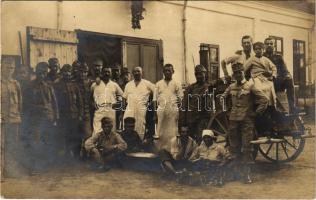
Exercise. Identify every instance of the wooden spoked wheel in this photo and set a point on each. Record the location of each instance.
(289, 148)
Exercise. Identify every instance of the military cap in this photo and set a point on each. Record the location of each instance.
(258, 44)
(199, 68)
(41, 66)
(129, 120)
(237, 66)
(116, 66)
(52, 61)
(106, 120)
(98, 61)
(125, 70)
(66, 67)
(76, 64)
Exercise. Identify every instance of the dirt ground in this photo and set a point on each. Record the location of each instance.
(292, 180)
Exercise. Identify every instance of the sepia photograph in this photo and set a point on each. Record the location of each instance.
(158, 99)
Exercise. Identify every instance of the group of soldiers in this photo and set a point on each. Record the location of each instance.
(78, 111)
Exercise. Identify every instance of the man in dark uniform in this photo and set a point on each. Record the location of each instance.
(54, 67)
(84, 83)
(194, 112)
(95, 71)
(116, 72)
(283, 79)
(124, 78)
(11, 108)
(42, 106)
(71, 108)
(245, 96)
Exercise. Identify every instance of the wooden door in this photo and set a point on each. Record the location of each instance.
(44, 43)
(146, 54)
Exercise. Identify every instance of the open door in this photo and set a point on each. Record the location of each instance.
(44, 43)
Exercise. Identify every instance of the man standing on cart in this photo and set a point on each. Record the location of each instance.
(247, 101)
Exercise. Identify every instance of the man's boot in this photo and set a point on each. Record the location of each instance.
(247, 179)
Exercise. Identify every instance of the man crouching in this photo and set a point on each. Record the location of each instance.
(105, 147)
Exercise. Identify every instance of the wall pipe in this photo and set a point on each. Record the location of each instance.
(185, 71)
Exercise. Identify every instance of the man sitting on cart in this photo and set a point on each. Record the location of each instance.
(247, 101)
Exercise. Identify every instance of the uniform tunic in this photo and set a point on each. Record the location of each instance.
(194, 112)
(104, 96)
(241, 116)
(137, 97)
(11, 108)
(167, 95)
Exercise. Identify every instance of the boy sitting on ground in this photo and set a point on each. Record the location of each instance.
(130, 136)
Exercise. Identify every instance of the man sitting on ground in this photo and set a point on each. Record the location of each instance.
(209, 154)
(106, 147)
(182, 147)
(130, 136)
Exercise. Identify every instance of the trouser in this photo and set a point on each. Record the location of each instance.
(109, 159)
(99, 114)
(282, 84)
(72, 136)
(240, 135)
(85, 128)
(10, 148)
(44, 144)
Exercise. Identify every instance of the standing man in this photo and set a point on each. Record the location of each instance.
(116, 72)
(11, 108)
(95, 71)
(105, 95)
(124, 78)
(168, 93)
(194, 113)
(84, 83)
(245, 96)
(283, 78)
(136, 95)
(241, 56)
(54, 67)
(70, 106)
(44, 111)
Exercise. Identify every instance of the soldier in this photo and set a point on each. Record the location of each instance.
(240, 56)
(70, 106)
(283, 78)
(194, 111)
(54, 67)
(105, 147)
(95, 71)
(124, 78)
(168, 93)
(116, 72)
(245, 96)
(11, 108)
(84, 83)
(42, 106)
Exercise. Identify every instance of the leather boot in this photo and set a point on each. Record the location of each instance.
(247, 179)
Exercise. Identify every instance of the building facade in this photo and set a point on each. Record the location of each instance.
(177, 32)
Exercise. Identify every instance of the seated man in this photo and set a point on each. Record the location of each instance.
(182, 147)
(130, 136)
(105, 147)
(208, 154)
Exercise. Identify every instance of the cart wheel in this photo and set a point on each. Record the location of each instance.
(219, 123)
(287, 150)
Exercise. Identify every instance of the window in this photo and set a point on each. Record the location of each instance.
(278, 44)
(299, 63)
(209, 58)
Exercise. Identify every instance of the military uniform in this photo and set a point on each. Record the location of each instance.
(194, 112)
(241, 126)
(71, 107)
(283, 78)
(11, 108)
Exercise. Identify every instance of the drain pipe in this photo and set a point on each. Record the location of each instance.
(185, 70)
